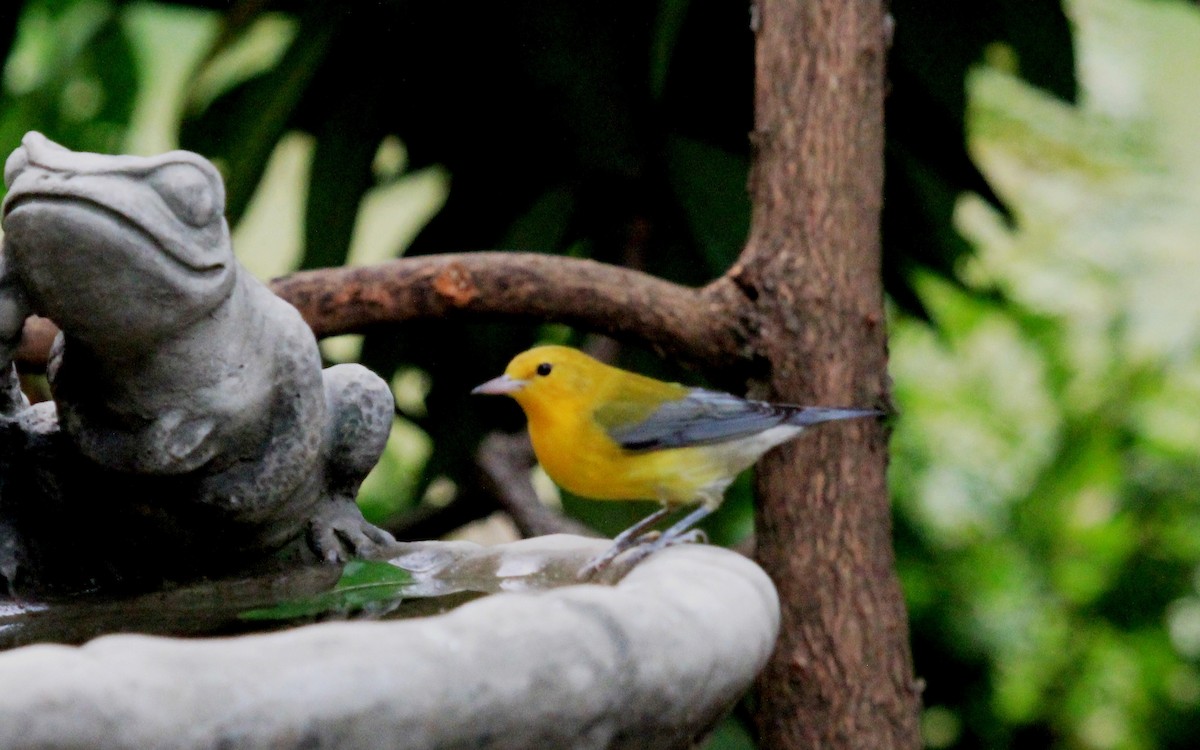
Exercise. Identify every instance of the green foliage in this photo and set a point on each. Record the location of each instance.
(243, 126)
(70, 74)
(936, 44)
(1045, 465)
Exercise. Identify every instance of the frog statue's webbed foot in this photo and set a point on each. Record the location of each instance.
(338, 532)
(360, 407)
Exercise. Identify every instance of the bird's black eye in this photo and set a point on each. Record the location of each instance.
(544, 369)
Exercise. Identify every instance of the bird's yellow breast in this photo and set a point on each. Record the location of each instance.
(580, 457)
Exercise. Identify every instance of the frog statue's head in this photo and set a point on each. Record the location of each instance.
(119, 251)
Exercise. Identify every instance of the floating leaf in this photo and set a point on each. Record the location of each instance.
(364, 585)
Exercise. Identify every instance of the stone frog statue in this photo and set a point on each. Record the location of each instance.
(191, 425)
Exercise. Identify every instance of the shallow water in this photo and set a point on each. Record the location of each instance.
(416, 580)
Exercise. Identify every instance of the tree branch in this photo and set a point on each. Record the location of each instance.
(678, 321)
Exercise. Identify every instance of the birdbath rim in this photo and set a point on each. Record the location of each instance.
(653, 660)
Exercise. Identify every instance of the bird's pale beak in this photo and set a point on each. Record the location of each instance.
(501, 385)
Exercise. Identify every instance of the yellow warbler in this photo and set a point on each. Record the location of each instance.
(608, 434)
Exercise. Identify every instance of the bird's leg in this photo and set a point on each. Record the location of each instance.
(630, 537)
(680, 532)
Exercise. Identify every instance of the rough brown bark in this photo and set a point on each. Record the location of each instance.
(841, 676)
(621, 302)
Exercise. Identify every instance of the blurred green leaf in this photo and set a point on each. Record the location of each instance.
(936, 44)
(710, 186)
(241, 127)
(730, 734)
(365, 584)
(74, 77)
(340, 177)
(667, 27)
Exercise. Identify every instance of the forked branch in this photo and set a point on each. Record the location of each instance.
(693, 324)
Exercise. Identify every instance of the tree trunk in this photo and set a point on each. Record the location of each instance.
(841, 675)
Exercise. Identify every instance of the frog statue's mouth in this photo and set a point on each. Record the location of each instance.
(90, 234)
(50, 203)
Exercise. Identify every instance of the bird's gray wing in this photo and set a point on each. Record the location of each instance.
(702, 417)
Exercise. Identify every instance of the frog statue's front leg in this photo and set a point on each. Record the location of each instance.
(359, 408)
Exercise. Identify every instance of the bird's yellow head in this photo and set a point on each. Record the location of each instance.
(545, 375)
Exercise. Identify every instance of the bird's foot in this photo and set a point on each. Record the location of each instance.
(642, 551)
(338, 532)
(600, 562)
(640, 548)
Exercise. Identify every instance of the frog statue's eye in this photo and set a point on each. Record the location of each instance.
(187, 191)
(544, 369)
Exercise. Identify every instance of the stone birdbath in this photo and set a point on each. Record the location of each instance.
(191, 485)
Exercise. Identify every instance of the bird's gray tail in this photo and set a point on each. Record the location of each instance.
(810, 415)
